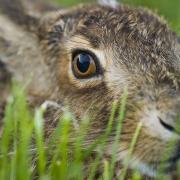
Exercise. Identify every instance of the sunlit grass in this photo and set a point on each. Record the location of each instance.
(24, 154)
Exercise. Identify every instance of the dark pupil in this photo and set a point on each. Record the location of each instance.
(83, 62)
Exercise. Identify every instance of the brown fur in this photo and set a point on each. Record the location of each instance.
(137, 50)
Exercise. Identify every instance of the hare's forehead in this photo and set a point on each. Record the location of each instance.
(111, 56)
(125, 63)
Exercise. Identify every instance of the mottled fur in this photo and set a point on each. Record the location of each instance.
(136, 49)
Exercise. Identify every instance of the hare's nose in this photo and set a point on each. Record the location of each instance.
(166, 125)
(171, 123)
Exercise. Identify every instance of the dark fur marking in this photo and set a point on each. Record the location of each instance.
(4, 74)
(94, 40)
(16, 12)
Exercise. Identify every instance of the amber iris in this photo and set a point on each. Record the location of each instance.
(84, 65)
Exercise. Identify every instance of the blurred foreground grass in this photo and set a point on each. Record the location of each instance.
(25, 154)
(170, 9)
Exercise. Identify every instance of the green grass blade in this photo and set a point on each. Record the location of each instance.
(106, 174)
(101, 143)
(60, 163)
(5, 140)
(130, 151)
(118, 131)
(39, 137)
(23, 126)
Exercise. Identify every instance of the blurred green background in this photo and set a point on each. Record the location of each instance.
(170, 9)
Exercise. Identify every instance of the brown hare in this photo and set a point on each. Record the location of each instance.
(83, 57)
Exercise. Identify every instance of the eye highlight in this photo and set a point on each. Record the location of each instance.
(84, 65)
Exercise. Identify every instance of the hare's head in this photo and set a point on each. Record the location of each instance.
(95, 52)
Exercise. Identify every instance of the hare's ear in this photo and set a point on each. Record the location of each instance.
(25, 13)
(178, 39)
(15, 10)
(56, 25)
(54, 28)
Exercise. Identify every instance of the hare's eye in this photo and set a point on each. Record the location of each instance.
(84, 65)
